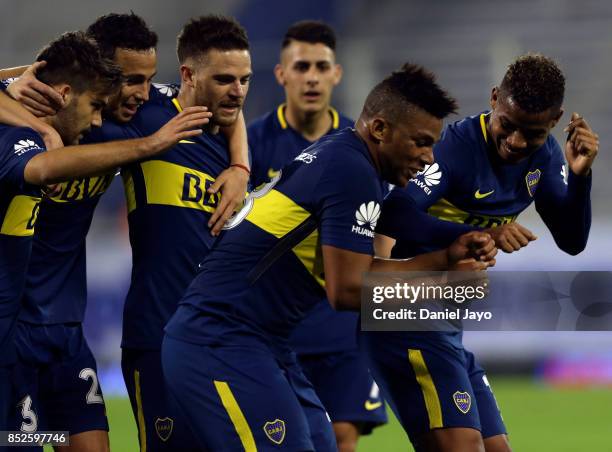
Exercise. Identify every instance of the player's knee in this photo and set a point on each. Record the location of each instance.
(497, 443)
(454, 440)
(347, 435)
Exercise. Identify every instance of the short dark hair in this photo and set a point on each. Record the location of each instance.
(535, 83)
(204, 33)
(121, 31)
(411, 85)
(311, 31)
(75, 59)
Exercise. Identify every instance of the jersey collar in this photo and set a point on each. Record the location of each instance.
(282, 120)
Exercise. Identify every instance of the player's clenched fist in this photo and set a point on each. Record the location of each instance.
(472, 251)
(511, 237)
(582, 145)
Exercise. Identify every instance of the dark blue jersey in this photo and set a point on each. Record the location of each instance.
(19, 203)
(469, 187)
(56, 286)
(168, 212)
(274, 144)
(266, 272)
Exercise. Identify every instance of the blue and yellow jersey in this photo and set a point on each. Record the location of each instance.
(168, 212)
(266, 272)
(274, 143)
(19, 204)
(468, 187)
(56, 285)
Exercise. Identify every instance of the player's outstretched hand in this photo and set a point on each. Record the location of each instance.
(184, 125)
(233, 185)
(511, 237)
(471, 252)
(582, 145)
(37, 97)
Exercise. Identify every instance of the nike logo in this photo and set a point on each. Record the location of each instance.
(371, 406)
(187, 142)
(479, 195)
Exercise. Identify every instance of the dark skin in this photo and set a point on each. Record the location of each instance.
(515, 135)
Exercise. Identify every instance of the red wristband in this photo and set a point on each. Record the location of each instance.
(244, 167)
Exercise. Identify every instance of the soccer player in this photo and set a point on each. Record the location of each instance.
(488, 169)
(326, 340)
(55, 295)
(75, 69)
(305, 234)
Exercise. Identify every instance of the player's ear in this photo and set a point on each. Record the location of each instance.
(187, 75)
(338, 71)
(65, 91)
(279, 74)
(494, 97)
(557, 117)
(378, 128)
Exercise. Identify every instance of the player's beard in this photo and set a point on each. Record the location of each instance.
(66, 123)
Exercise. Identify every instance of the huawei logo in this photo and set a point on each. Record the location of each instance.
(368, 214)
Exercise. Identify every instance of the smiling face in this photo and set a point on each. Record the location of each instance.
(407, 146)
(221, 81)
(138, 68)
(517, 134)
(309, 73)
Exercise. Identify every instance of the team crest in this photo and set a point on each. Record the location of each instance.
(463, 401)
(531, 179)
(163, 427)
(275, 431)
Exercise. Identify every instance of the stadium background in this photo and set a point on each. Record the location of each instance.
(554, 388)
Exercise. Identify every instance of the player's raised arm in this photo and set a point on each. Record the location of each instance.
(91, 159)
(12, 72)
(37, 97)
(232, 183)
(563, 199)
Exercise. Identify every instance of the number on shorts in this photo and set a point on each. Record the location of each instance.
(30, 420)
(92, 395)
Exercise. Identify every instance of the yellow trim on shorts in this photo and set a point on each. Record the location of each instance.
(430, 394)
(237, 417)
(142, 432)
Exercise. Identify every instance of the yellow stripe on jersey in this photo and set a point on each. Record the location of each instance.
(237, 417)
(483, 126)
(446, 211)
(170, 184)
(335, 118)
(142, 432)
(128, 188)
(79, 189)
(430, 394)
(277, 214)
(20, 216)
(175, 102)
(280, 115)
(308, 251)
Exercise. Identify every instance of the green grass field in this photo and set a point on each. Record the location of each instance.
(539, 419)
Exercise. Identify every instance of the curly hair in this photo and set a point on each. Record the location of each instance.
(411, 85)
(123, 31)
(204, 33)
(75, 59)
(311, 31)
(535, 83)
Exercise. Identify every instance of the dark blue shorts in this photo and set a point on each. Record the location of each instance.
(431, 383)
(56, 381)
(246, 398)
(346, 388)
(160, 424)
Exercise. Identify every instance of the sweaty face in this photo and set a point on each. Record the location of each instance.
(82, 112)
(308, 72)
(408, 146)
(221, 81)
(138, 68)
(515, 133)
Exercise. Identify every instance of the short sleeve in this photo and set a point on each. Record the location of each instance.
(17, 147)
(349, 204)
